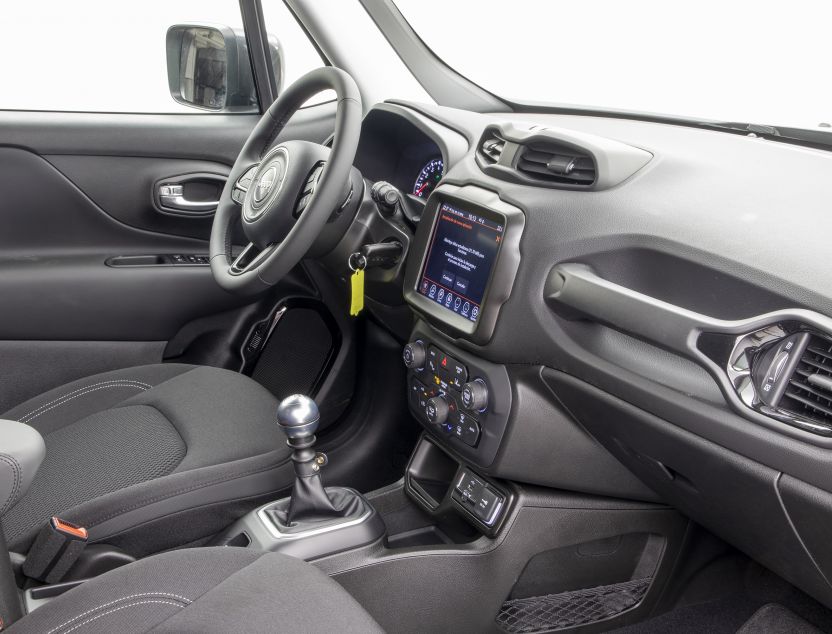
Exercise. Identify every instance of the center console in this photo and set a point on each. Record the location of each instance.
(459, 399)
(461, 271)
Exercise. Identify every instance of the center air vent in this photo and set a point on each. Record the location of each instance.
(492, 147)
(809, 392)
(554, 163)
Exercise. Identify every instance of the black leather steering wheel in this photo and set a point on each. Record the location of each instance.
(284, 194)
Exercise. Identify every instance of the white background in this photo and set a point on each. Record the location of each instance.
(760, 61)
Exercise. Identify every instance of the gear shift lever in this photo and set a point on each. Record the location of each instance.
(298, 417)
(313, 521)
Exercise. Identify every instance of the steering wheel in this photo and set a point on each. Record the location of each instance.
(284, 194)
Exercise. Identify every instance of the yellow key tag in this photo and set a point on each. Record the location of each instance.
(357, 285)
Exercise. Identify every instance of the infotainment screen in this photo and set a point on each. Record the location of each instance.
(461, 254)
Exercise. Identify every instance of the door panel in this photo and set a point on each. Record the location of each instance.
(127, 194)
(76, 189)
(208, 137)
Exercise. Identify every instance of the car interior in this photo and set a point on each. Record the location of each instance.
(443, 363)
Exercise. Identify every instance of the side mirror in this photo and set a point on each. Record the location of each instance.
(209, 68)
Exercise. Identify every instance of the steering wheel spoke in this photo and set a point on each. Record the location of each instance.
(238, 193)
(250, 258)
(308, 188)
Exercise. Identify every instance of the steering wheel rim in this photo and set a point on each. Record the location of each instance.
(271, 197)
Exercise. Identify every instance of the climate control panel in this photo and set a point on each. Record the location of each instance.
(451, 394)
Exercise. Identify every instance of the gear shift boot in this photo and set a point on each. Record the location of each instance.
(314, 521)
(311, 502)
(347, 505)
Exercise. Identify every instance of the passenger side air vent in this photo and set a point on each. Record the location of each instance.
(809, 392)
(555, 163)
(555, 158)
(491, 147)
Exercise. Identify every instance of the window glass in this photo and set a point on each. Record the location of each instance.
(299, 54)
(105, 56)
(758, 61)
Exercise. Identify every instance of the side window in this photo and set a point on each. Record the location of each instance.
(182, 56)
(303, 55)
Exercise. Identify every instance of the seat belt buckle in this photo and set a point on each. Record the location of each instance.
(56, 548)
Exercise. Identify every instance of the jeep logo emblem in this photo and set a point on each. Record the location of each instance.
(265, 184)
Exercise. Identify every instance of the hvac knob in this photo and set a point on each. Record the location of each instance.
(475, 395)
(436, 410)
(414, 355)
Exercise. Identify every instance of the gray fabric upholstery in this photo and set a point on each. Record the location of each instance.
(204, 590)
(138, 447)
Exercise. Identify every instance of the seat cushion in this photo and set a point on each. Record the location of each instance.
(177, 450)
(204, 590)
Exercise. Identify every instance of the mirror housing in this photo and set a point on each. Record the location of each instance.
(209, 68)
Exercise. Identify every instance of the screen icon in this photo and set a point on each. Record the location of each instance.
(448, 278)
(432, 291)
(441, 295)
(448, 299)
(465, 308)
(457, 302)
(474, 312)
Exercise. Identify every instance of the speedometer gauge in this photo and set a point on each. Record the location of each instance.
(427, 179)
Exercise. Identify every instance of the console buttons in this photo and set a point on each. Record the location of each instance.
(488, 506)
(437, 410)
(418, 394)
(414, 355)
(480, 499)
(467, 429)
(458, 375)
(444, 365)
(440, 383)
(475, 395)
(433, 359)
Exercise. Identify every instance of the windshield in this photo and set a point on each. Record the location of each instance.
(746, 61)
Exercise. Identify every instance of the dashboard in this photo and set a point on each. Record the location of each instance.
(402, 152)
(633, 314)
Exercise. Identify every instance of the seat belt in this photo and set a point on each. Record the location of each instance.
(56, 548)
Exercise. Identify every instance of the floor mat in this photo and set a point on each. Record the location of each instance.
(775, 619)
(728, 616)
(715, 617)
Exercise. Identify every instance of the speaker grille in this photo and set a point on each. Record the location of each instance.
(295, 354)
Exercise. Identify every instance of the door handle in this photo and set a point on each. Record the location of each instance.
(193, 195)
(173, 197)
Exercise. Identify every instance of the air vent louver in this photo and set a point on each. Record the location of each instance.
(555, 163)
(809, 393)
(491, 147)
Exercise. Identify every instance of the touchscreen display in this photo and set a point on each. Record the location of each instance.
(460, 257)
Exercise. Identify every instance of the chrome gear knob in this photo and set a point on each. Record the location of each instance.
(298, 416)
